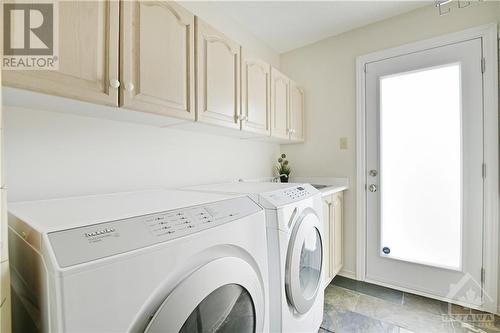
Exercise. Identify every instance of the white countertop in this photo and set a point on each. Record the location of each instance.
(333, 185)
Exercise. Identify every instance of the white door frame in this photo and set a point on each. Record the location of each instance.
(488, 33)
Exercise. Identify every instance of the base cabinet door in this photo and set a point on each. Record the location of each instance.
(280, 104)
(157, 58)
(333, 240)
(337, 234)
(327, 252)
(218, 68)
(256, 95)
(88, 55)
(296, 113)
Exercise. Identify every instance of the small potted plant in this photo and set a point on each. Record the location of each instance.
(283, 169)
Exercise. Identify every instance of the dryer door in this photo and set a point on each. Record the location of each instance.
(304, 262)
(225, 295)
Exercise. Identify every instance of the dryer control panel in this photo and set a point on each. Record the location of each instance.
(84, 244)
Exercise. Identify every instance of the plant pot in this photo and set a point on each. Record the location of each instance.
(284, 179)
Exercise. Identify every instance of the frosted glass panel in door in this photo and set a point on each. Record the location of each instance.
(420, 166)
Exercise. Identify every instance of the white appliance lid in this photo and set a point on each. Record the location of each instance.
(243, 187)
(58, 214)
(268, 195)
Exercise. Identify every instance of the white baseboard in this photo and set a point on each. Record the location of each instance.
(347, 274)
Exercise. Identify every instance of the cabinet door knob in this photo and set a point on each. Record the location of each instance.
(114, 83)
(129, 86)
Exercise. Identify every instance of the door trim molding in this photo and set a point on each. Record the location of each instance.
(488, 34)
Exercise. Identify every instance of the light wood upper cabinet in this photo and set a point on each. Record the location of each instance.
(88, 55)
(296, 113)
(256, 95)
(280, 104)
(218, 70)
(157, 58)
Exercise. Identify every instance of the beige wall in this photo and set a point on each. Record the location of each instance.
(327, 71)
(50, 154)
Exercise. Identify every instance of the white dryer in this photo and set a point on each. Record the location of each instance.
(151, 261)
(295, 252)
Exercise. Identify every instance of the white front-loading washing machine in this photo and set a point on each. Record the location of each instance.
(295, 251)
(150, 261)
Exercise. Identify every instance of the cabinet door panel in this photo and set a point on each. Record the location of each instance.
(158, 58)
(337, 226)
(5, 305)
(280, 102)
(296, 113)
(327, 255)
(256, 85)
(218, 60)
(88, 55)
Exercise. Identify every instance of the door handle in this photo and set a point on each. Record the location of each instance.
(372, 188)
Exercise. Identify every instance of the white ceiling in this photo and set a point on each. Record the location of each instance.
(286, 25)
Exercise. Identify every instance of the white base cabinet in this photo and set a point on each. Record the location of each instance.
(333, 236)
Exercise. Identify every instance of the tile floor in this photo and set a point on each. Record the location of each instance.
(354, 306)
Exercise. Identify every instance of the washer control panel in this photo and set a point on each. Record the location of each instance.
(84, 244)
(298, 192)
(288, 195)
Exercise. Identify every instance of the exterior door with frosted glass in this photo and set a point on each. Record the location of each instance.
(424, 171)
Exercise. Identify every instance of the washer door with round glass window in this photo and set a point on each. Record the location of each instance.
(304, 262)
(223, 296)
